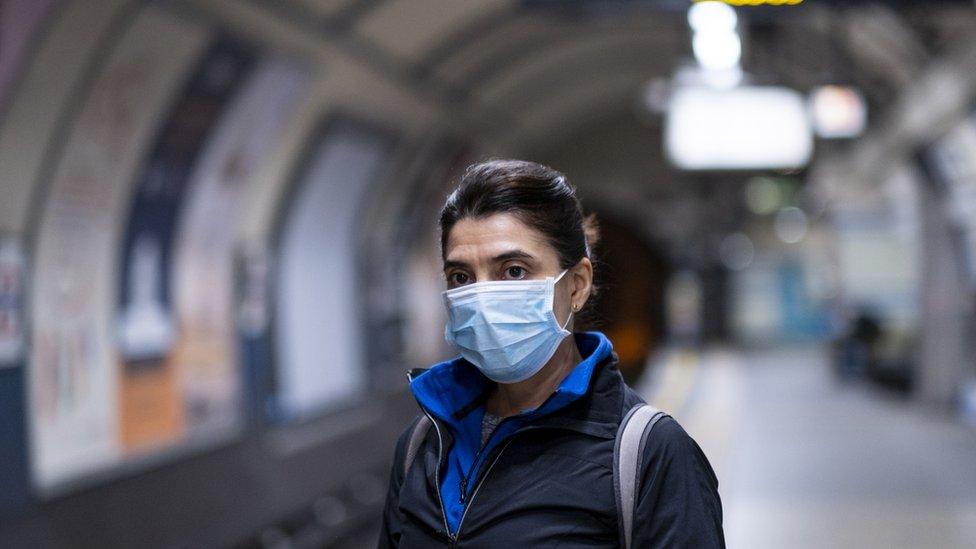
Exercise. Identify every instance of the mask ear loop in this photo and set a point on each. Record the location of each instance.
(571, 311)
(567, 320)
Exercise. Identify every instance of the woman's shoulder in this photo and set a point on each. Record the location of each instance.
(668, 445)
(678, 497)
(670, 450)
(669, 435)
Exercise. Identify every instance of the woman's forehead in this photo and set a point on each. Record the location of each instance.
(482, 238)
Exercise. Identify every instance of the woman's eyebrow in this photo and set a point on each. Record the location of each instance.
(452, 263)
(514, 254)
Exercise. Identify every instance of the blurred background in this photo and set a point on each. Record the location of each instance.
(218, 251)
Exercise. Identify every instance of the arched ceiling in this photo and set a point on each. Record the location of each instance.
(517, 66)
(498, 59)
(563, 85)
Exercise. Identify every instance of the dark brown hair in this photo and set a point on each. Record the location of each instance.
(537, 195)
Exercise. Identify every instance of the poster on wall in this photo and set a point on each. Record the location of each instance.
(153, 350)
(318, 325)
(133, 304)
(72, 371)
(205, 350)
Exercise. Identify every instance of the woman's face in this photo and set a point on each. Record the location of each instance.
(501, 247)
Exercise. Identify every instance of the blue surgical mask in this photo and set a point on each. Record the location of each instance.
(506, 328)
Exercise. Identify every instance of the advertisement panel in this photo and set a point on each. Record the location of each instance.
(73, 378)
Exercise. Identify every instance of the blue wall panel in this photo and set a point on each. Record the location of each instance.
(14, 484)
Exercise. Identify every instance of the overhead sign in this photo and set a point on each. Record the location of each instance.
(741, 128)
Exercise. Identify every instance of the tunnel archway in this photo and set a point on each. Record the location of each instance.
(632, 275)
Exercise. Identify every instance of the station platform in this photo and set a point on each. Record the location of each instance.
(805, 460)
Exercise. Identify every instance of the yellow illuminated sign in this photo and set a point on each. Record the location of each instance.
(754, 2)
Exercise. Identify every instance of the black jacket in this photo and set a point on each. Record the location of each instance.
(552, 484)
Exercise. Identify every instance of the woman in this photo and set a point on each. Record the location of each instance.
(521, 447)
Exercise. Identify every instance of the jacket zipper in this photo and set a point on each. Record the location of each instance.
(437, 477)
(481, 480)
(465, 477)
(478, 484)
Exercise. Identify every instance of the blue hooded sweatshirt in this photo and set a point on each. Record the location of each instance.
(454, 391)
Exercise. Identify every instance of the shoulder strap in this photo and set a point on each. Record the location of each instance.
(631, 435)
(416, 439)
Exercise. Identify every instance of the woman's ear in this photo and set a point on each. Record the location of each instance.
(582, 276)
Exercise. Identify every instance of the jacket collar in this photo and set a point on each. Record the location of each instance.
(589, 399)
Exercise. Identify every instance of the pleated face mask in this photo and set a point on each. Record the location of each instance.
(506, 328)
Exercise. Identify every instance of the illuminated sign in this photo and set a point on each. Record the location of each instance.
(743, 3)
(742, 128)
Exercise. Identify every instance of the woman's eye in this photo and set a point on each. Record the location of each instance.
(458, 278)
(515, 271)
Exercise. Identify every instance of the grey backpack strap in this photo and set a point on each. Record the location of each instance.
(627, 453)
(416, 439)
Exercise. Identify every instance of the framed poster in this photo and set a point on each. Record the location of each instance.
(157, 357)
(136, 359)
(72, 376)
(205, 351)
(318, 335)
